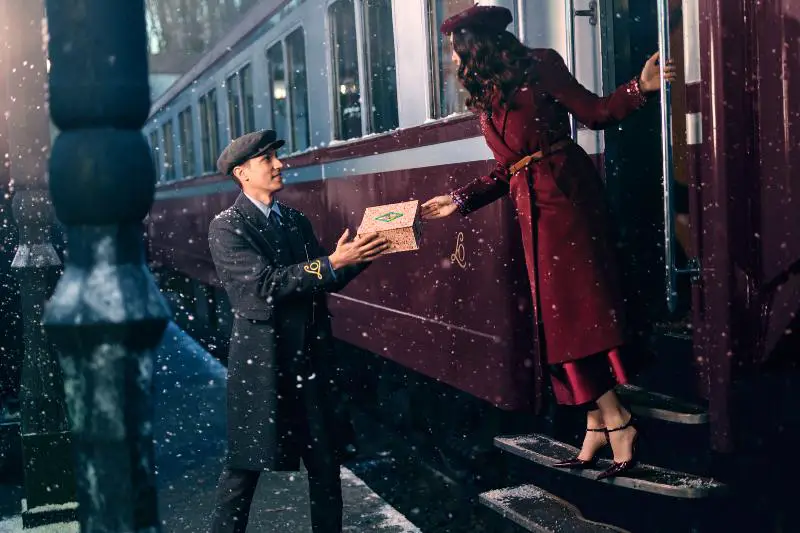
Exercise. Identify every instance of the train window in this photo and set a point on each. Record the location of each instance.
(448, 96)
(298, 89)
(156, 150)
(277, 77)
(347, 101)
(234, 108)
(169, 151)
(286, 61)
(380, 64)
(248, 102)
(186, 131)
(241, 114)
(209, 131)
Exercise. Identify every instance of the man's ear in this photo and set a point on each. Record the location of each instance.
(238, 172)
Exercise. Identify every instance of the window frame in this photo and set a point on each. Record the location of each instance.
(290, 78)
(365, 62)
(169, 152)
(203, 120)
(155, 150)
(236, 74)
(432, 34)
(434, 65)
(365, 84)
(281, 39)
(188, 164)
(435, 88)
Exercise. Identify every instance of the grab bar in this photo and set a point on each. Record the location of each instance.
(569, 18)
(667, 159)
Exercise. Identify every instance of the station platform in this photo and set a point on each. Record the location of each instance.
(190, 447)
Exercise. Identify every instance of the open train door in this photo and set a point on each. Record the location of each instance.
(605, 43)
(651, 169)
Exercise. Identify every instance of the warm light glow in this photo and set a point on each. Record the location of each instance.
(279, 90)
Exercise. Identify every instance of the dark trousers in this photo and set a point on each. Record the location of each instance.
(235, 494)
(236, 487)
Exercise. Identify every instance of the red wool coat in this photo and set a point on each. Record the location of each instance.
(560, 205)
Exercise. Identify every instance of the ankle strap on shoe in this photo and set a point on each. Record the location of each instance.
(626, 425)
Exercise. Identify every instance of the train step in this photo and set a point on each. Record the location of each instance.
(545, 451)
(648, 404)
(537, 510)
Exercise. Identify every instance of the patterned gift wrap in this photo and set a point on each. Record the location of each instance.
(400, 223)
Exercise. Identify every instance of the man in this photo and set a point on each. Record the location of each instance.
(281, 393)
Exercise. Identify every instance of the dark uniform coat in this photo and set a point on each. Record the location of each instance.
(561, 206)
(279, 368)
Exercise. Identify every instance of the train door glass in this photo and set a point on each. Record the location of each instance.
(347, 100)
(572, 28)
(448, 96)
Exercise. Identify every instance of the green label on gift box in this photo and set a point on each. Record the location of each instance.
(388, 217)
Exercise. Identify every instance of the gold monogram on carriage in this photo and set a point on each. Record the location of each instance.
(460, 255)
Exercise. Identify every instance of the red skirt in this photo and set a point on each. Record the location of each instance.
(585, 380)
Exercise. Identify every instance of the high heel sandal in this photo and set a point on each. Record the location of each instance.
(619, 468)
(580, 464)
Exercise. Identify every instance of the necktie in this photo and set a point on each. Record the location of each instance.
(275, 219)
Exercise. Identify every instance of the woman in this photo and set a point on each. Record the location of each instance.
(524, 97)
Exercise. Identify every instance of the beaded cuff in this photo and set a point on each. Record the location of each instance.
(633, 90)
(460, 201)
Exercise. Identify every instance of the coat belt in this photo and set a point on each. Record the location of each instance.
(538, 156)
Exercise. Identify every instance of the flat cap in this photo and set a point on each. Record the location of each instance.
(246, 147)
(488, 18)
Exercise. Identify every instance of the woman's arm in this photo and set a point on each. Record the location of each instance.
(594, 111)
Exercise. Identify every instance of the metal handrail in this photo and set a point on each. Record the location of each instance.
(569, 19)
(670, 270)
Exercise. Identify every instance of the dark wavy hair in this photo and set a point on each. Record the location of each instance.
(491, 62)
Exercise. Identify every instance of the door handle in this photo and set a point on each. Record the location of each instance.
(570, 14)
(591, 12)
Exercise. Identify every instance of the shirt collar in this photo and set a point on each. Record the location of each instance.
(264, 208)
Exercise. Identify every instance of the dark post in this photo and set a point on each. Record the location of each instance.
(49, 477)
(107, 316)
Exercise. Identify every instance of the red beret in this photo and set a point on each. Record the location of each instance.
(490, 18)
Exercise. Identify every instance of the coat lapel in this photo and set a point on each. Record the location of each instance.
(265, 234)
(496, 142)
(295, 238)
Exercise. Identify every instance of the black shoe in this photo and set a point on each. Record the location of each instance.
(620, 468)
(580, 464)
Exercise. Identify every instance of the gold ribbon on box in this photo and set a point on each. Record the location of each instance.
(314, 268)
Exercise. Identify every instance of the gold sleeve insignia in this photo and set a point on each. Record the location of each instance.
(315, 268)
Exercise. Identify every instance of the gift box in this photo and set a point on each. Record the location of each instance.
(400, 223)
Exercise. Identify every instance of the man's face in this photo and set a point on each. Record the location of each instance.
(262, 173)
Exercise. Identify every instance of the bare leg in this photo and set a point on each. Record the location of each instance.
(614, 416)
(594, 440)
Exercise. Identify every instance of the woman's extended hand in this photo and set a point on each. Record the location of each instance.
(649, 81)
(439, 207)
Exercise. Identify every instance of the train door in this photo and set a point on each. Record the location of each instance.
(648, 175)
(606, 43)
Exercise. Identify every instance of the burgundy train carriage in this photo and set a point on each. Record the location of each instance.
(367, 99)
